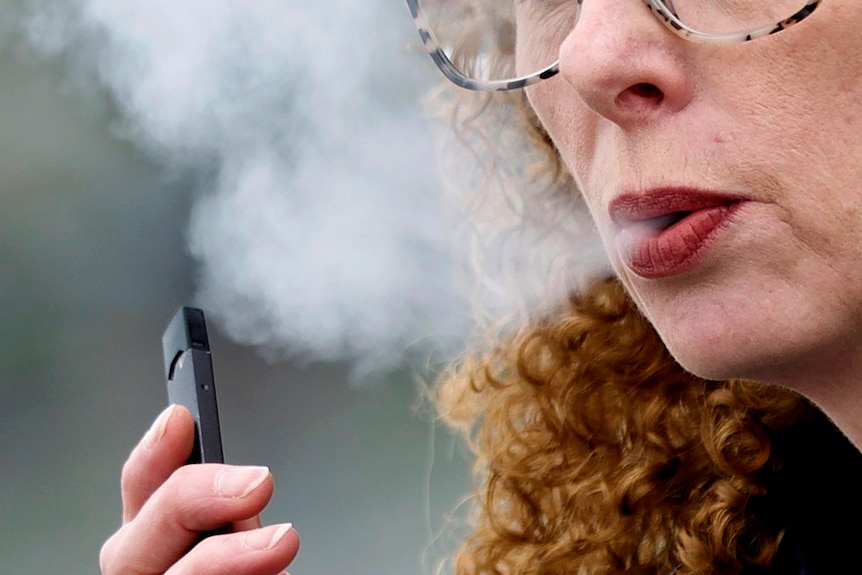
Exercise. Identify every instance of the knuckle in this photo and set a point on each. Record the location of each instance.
(128, 475)
(189, 500)
(185, 502)
(185, 488)
(234, 556)
(110, 556)
(187, 476)
(106, 554)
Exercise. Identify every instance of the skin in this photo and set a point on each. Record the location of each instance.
(166, 505)
(777, 121)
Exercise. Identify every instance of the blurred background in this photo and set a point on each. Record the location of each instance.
(268, 162)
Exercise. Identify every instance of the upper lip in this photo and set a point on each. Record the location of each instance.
(632, 208)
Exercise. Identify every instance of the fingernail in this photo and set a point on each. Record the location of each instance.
(268, 537)
(239, 482)
(157, 430)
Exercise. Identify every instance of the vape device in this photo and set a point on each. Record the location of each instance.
(190, 382)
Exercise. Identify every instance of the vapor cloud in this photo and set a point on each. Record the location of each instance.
(317, 222)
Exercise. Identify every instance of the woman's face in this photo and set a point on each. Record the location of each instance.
(726, 181)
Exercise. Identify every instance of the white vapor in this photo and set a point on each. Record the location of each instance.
(317, 223)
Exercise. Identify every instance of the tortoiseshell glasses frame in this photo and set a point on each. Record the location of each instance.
(662, 10)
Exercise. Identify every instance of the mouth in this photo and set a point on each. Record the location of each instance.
(665, 232)
(661, 223)
(661, 208)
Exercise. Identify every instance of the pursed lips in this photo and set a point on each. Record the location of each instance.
(661, 208)
(666, 231)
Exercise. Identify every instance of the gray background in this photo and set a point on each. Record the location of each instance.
(93, 263)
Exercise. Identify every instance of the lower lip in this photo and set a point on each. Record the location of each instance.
(679, 248)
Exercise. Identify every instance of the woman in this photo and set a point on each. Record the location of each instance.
(612, 435)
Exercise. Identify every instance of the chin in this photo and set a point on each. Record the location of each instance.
(722, 330)
(752, 321)
(712, 364)
(758, 355)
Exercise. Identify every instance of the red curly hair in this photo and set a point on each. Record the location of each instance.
(598, 454)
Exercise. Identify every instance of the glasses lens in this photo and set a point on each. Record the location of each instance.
(491, 40)
(730, 16)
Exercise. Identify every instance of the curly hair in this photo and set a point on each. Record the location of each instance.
(598, 454)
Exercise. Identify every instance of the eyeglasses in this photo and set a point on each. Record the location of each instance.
(494, 45)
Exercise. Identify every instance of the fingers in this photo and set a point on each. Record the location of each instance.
(246, 524)
(195, 498)
(163, 449)
(166, 506)
(265, 551)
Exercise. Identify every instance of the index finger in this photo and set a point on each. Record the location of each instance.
(165, 448)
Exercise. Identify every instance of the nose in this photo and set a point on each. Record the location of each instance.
(624, 64)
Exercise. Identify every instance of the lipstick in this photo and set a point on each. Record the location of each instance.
(668, 231)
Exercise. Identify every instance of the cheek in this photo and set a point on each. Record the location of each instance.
(569, 124)
(572, 128)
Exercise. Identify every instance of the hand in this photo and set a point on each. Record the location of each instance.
(166, 506)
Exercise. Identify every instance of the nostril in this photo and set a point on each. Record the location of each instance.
(649, 91)
(639, 95)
